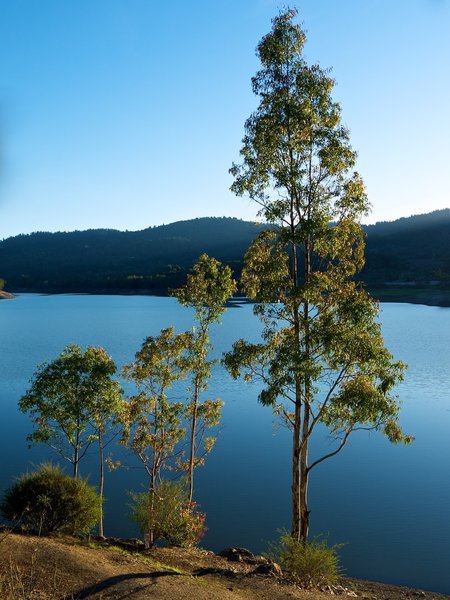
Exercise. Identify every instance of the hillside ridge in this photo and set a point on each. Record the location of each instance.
(406, 260)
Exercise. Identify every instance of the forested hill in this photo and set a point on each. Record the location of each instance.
(106, 260)
(403, 256)
(410, 252)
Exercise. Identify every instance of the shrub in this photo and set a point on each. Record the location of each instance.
(50, 501)
(310, 564)
(172, 519)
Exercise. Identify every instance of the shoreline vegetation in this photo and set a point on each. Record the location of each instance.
(55, 567)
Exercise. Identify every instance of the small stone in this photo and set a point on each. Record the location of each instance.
(236, 554)
(269, 568)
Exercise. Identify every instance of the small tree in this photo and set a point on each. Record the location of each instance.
(322, 358)
(152, 423)
(207, 289)
(170, 517)
(71, 400)
(105, 406)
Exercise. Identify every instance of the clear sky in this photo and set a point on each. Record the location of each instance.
(128, 113)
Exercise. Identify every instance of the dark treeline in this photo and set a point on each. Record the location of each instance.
(406, 254)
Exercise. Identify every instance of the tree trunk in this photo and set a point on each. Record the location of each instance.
(305, 434)
(102, 482)
(192, 441)
(304, 472)
(76, 457)
(296, 441)
(296, 471)
(304, 512)
(76, 450)
(149, 539)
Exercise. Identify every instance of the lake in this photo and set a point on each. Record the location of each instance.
(389, 504)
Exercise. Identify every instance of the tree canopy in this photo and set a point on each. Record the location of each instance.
(70, 399)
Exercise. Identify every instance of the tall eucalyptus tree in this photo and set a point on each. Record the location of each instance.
(322, 358)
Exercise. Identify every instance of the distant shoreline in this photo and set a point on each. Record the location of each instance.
(426, 297)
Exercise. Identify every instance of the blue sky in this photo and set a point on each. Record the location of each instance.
(128, 113)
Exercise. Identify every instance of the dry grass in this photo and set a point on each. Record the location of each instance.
(29, 580)
(25, 583)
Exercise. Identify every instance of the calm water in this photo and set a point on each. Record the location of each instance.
(389, 504)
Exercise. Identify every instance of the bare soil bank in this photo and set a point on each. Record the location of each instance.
(33, 568)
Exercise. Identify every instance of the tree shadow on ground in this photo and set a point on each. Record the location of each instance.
(90, 591)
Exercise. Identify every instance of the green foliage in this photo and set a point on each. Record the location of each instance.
(151, 422)
(49, 501)
(70, 400)
(207, 289)
(168, 514)
(2, 284)
(310, 564)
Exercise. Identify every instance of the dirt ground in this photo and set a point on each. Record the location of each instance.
(33, 568)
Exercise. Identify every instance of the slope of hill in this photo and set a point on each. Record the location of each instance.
(413, 250)
(407, 259)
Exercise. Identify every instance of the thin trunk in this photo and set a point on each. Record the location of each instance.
(304, 475)
(304, 471)
(296, 468)
(296, 441)
(102, 481)
(305, 433)
(297, 433)
(76, 455)
(150, 537)
(192, 441)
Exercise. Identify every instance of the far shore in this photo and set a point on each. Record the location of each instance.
(424, 296)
